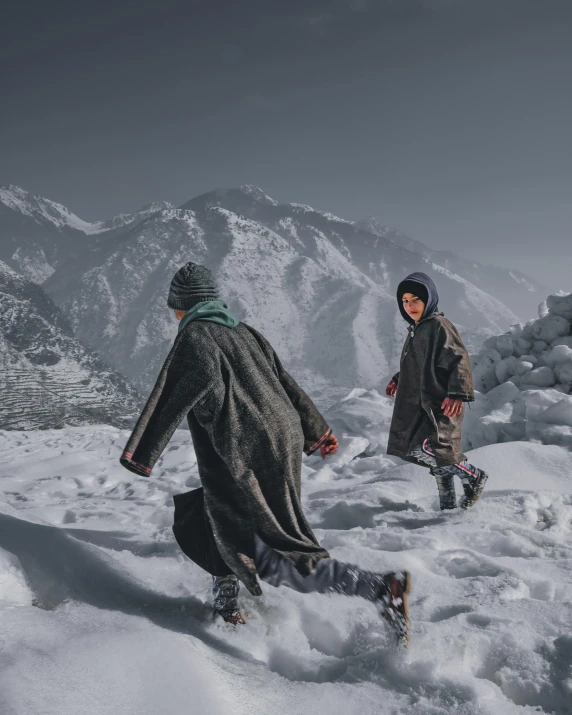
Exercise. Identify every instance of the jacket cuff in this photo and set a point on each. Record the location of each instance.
(395, 378)
(127, 462)
(319, 443)
(465, 396)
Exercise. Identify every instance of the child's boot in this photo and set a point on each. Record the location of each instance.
(388, 591)
(446, 487)
(225, 604)
(392, 604)
(473, 485)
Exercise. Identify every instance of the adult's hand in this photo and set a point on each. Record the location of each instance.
(330, 446)
(452, 407)
(391, 389)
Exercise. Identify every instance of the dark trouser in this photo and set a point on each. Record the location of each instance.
(445, 476)
(329, 576)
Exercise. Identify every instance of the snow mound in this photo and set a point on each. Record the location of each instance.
(525, 377)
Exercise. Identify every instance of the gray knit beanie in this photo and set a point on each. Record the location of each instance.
(191, 284)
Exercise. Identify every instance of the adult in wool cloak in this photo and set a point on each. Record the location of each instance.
(434, 365)
(250, 423)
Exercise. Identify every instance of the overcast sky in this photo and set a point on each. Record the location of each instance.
(448, 119)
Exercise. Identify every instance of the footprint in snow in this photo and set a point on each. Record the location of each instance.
(445, 614)
(464, 564)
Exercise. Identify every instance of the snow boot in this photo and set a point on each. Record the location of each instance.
(392, 604)
(225, 604)
(473, 485)
(446, 487)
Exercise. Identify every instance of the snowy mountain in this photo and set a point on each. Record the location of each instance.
(37, 234)
(48, 378)
(320, 288)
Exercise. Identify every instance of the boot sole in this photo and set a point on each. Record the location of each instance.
(406, 591)
(402, 638)
(237, 620)
(468, 505)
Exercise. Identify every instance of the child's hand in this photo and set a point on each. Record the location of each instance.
(330, 446)
(391, 389)
(451, 407)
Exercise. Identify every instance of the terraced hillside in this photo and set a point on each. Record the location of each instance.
(48, 378)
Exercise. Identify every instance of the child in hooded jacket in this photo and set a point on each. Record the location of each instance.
(430, 389)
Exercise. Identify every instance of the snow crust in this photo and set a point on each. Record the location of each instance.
(100, 613)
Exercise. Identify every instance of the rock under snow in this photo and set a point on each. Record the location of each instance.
(560, 304)
(525, 395)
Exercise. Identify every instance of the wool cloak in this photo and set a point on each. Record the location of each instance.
(250, 423)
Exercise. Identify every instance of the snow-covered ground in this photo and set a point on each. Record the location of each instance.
(100, 613)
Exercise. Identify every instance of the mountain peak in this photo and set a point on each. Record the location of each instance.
(257, 194)
(154, 206)
(244, 200)
(12, 188)
(14, 197)
(370, 224)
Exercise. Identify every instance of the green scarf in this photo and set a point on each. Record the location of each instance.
(215, 311)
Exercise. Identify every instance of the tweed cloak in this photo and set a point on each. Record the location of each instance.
(250, 423)
(434, 365)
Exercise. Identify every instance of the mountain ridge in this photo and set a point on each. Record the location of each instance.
(321, 288)
(323, 291)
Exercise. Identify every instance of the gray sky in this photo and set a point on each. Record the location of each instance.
(449, 119)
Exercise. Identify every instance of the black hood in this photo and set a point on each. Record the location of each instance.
(426, 289)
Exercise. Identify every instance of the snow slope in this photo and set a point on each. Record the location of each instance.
(100, 613)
